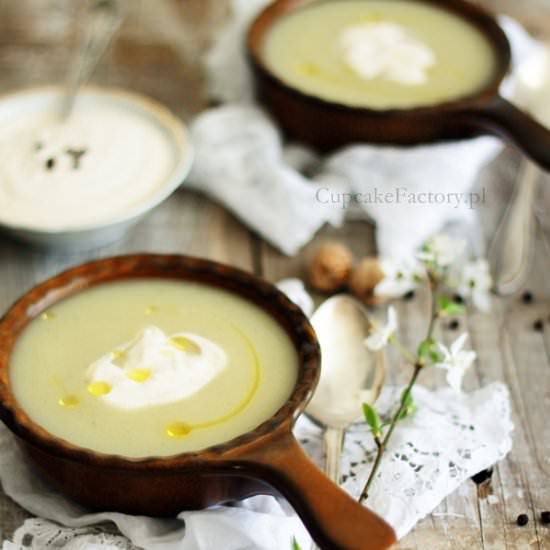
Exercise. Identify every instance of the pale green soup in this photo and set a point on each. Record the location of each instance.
(50, 361)
(305, 50)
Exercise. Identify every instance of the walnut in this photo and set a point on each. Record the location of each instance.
(364, 278)
(330, 267)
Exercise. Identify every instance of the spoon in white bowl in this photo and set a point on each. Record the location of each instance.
(103, 18)
(350, 374)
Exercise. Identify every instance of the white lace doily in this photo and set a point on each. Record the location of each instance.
(451, 437)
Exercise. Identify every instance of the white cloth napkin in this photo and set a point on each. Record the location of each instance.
(243, 163)
(451, 437)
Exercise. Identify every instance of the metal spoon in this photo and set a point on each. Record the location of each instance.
(511, 251)
(103, 20)
(350, 373)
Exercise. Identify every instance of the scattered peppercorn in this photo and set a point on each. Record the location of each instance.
(409, 295)
(523, 519)
(50, 163)
(458, 299)
(482, 476)
(545, 517)
(454, 324)
(527, 297)
(538, 325)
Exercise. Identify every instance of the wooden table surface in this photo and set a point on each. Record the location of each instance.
(158, 53)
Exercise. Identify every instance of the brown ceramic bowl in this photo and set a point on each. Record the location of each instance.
(267, 460)
(326, 125)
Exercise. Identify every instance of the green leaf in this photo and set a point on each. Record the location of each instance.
(429, 351)
(435, 355)
(407, 398)
(295, 545)
(425, 348)
(449, 307)
(408, 403)
(372, 419)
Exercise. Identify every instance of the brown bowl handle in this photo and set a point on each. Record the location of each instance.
(334, 520)
(504, 119)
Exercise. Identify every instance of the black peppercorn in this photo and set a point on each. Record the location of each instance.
(76, 155)
(545, 517)
(50, 163)
(409, 295)
(482, 476)
(454, 324)
(538, 325)
(523, 519)
(527, 297)
(458, 299)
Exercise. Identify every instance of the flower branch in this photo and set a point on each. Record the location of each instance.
(437, 266)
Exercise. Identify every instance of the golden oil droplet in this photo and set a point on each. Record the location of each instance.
(69, 401)
(371, 18)
(185, 344)
(308, 69)
(178, 429)
(47, 316)
(99, 388)
(151, 310)
(119, 357)
(139, 375)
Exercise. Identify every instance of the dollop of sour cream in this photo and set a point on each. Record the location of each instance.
(155, 369)
(387, 50)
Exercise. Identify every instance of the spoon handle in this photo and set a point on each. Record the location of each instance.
(334, 439)
(103, 19)
(334, 519)
(511, 250)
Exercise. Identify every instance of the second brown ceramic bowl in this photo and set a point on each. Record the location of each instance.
(326, 125)
(267, 460)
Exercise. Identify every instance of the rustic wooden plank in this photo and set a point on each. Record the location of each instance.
(358, 235)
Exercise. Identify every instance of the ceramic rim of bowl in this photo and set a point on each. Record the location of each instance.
(172, 267)
(475, 15)
(176, 131)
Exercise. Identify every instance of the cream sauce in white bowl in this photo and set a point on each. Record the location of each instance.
(117, 156)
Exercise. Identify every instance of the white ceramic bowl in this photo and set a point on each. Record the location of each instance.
(42, 99)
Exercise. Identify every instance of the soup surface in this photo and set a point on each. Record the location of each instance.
(152, 368)
(379, 54)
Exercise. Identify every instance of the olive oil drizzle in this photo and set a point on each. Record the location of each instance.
(172, 430)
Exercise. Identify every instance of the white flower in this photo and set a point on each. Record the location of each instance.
(381, 334)
(296, 292)
(475, 282)
(399, 277)
(456, 361)
(442, 250)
